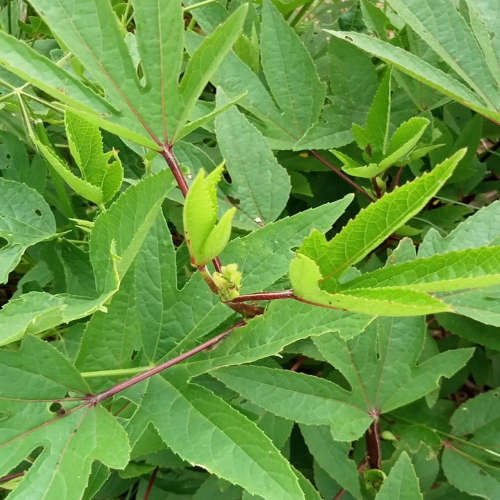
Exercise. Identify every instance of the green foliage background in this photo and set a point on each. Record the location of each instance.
(249, 249)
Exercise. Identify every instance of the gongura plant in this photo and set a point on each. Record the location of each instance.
(199, 301)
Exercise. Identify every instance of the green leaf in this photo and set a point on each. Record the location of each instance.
(16, 165)
(118, 233)
(446, 31)
(404, 140)
(375, 134)
(471, 268)
(419, 69)
(82, 187)
(206, 431)
(85, 144)
(389, 301)
(70, 442)
(402, 482)
(354, 84)
(298, 397)
(481, 229)
(36, 312)
(332, 456)
(471, 463)
(290, 72)
(205, 61)
(382, 366)
(375, 223)
(239, 140)
(25, 219)
(205, 238)
(284, 323)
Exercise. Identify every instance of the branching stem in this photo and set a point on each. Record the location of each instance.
(285, 294)
(94, 399)
(341, 174)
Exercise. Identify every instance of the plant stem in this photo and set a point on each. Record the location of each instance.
(398, 177)
(171, 160)
(341, 174)
(373, 446)
(151, 483)
(5, 479)
(285, 294)
(376, 187)
(199, 4)
(94, 399)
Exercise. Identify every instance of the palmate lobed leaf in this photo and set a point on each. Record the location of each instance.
(150, 112)
(70, 442)
(381, 367)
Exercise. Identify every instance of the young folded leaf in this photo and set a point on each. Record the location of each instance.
(374, 224)
(85, 144)
(391, 301)
(204, 237)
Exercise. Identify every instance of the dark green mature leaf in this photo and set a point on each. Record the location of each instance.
(295, 84)
(402, 483)
(206, 431)
(70, 441)
(471, 463)
(239, 140)
(441, 26)
(332, 457)
(148, 115)
(380, 367)
(25, 219)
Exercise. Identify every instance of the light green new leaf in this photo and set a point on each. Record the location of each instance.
(36, 312)
(71, 442)
(25, 219)
(390, 301)
(206, 431)
(332, 457)
(205, 238)
(374, 224)
(81, 186)
(399, 148)
(205, 61)
(239, 140)
(441, 26)
(402, 482)
(118, 234)
(404, 140)
(290, 72)
(471, 268)
(420, 70)
(374, 135)
(298, 397)
(85, 144)
(474, 468)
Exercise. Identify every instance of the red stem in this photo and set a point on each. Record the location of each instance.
(373, 446)
(151, 483)
(94, 399)
(398, 177)
(285, 294)
(5, 479)
(171, 160)
(342, 175)
(297, 365)
(376, 187)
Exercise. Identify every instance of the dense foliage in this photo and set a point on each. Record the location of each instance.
(250, 249)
